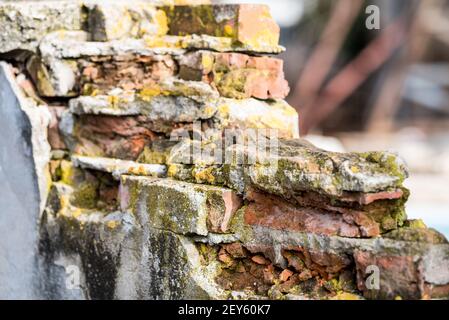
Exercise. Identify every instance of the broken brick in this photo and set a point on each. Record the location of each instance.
(236, 250)
(236, 75)
(270, 211)
(260, 259)
(248, 24)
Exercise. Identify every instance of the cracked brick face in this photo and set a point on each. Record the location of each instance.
(128, 72)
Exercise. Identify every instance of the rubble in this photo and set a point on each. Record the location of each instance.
(176, 168)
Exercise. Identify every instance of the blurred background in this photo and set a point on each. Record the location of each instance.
(382, 89)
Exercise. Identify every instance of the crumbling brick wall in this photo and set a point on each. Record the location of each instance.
(177, 171)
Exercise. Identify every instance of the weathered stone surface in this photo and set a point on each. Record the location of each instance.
(111, 21)
(301, 166)
(236, 75)
(178, 206)
(180, 274)
(23, 24)
(189, 102)
(417, 231)
(206, 42)
(88, 240)
(244, 23)
(117, 257)
(118, 167)
(89, 188)
(76, 44)
(24, 157)
(158, 152)
(387, 210)
(56, 79)
(183, 100)
(318, 266)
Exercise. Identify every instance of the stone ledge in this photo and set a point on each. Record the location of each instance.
(25, 23)
(119, 167)
(248, 24)
(180, 207)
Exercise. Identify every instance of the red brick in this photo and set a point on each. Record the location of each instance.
(54, 136)
(260, 260)
(285, 275)
(367, 198)
(237, 75)
(274, 212)
(399, 276)
(248, 24)
(115, 137)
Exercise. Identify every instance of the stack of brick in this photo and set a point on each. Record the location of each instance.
(138, 91)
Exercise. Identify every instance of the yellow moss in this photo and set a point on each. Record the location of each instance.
(416, 224)
(76, 213)
(224, 110)
(355, 169)
(67, 172)
(43, 84)
(229, 31)
(64, 201)
(207, 62)
(62, 34)
(288, 110)
(85, 195)
(146, 94)
(152, 156)
(120, 25)
(162, 22)
(209, 111)
(172, 170)
(138, 30)
(165, 42)
(272, 122)
(113, 101)
(205, 175)
(154, 42)
(150, 92)
(137, 170)
(265, 37)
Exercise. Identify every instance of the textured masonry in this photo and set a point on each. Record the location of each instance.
(176, 169)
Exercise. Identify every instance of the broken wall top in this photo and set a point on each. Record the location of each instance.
(223, 27)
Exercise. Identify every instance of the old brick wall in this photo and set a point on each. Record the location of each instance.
(177, 171)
